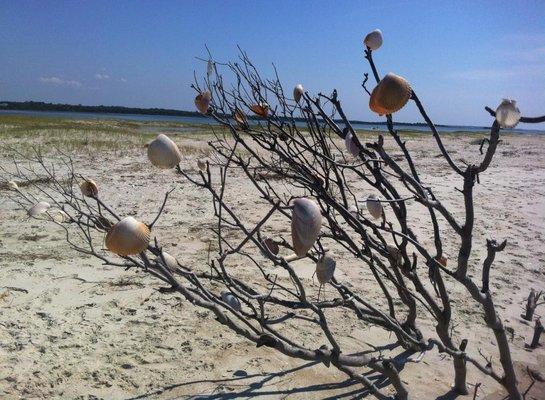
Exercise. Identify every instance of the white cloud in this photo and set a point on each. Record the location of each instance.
(123, 80)
(102, 77)
(53, 80)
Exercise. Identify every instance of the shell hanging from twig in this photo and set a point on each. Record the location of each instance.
(202, 101)
(164, 153)
(271, 245)
(390, 95)
(351, 145)
(89, 188)
(373, 206)
(373, 39)
(13, 185)
(128, 237)
(169, 261)
(306, 222)
(507, 114)
(230, 299)
(298, 92)
(325, 268)
(261, 109)
(38, 208)
(209, 68)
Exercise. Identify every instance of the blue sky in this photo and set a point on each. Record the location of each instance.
(458, 56)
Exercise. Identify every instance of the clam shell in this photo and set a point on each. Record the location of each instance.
(13, 185)
(350, 145)
(38, 209)
(103, 223)
(298, 92)
(373, 206)
(201, 163)
(325, 268)
(128, 237)
(202, 101)
(261, 109)
(231, 300)
(373, 40)
(306, 222)
(390, 95)
(507, 114)
(89, 188)
(170, 261)
(163, 152)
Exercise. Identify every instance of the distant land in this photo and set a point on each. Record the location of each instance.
(41, 106)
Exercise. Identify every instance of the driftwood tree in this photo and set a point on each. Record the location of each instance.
(293, 149)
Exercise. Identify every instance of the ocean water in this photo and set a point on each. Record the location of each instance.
(210, 121)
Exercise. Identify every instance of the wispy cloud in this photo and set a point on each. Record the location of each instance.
(123, 80)
(102, 77)
(54, 80)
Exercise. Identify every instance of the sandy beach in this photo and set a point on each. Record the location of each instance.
(73, 328)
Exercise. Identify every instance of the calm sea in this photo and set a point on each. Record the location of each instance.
(205, 121)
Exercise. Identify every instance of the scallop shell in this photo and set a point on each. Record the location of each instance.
(89, 188)
(373, 40)
(13, 185)
(163, 152)
(128, 237)
(271, 245)
(170, 262)
(351, 145)
(507, 114)
(202, 101)
(306, 222)
(201, 163)
(325, 268)
(390, 95)
(298, 92)
(38, 209)
(373, 206)
(231, 300)
(261, 109)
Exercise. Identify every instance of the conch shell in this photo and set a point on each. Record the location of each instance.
(231, 300)
(89, 188)
(38, 209)
(350, 145)
(306, 222)
(261, 109)
(373, 40)
(507, 114)
(164, 153)
(325, 268)
(298, 92)
(373, 206)
(128, 237)
(202, 101)
(390, 95)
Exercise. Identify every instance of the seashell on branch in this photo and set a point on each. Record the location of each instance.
(128, 237)
(325, 268)
(164, 153)
(351, 145)
(306, 222)
(38, 209)
(373, 206)
(390, 95)
(230, 299)
(507, 114)
(13, 185)
(60, 216)
(261, 109)
(170, 262)
(89, 188)
(298, 92)
(373, 40)
(202, 101)
(271, 245)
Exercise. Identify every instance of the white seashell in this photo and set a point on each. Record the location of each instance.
(507, 114)
(325, 268)
(13, 185)
(170, 262)
(306, 222)
(89, 188)
(373, 206)
(128, 237)
(373, 40)
(202, 101)
(38, 209)
(163, 152)
(60, 216)
(298, 92)
(209, 68)
(350, 145)
(231, 300)
(201, 163)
